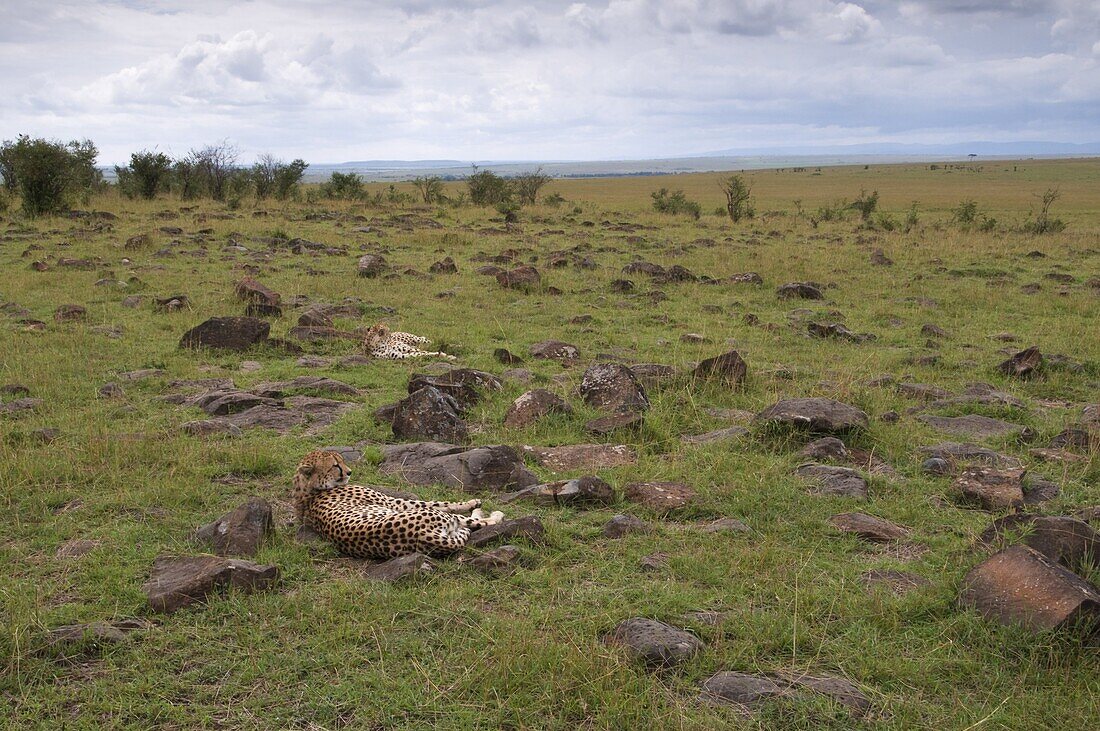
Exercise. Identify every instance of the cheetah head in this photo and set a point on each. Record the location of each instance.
(376, 335)
(317, 472)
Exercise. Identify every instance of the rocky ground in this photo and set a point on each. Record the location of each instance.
(785, 474)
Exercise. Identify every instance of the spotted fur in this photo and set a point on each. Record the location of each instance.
(381, 342)
(366, 523)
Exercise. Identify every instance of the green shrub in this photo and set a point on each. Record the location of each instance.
(675, 203)
(865, 204)
(147, 174)
(966, 213)
(1043, 223)
(48, 174)
(738, 195)
(488, 189)
(343, 186)
(528, 185)
(430, 188)
(553, 200)
(912, 218)
(273, 177)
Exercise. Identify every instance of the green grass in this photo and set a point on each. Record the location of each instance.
(328, 650)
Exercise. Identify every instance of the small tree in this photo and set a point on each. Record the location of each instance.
(738, 194)
(675, 203)
(430, 187)
(1043, 223)
(215, 165)
(865, 204)
(488, 189)
(49, 174)
(345, 186)
(965, 213)
(528, 185)
(7, 165)
(273, 177)
(147, 174)
(188, 178)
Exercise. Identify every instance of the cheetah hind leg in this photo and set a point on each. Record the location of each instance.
(478, 519)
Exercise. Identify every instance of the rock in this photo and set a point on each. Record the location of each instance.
(621, 286)
(494, 468)
(936, 466)
(740, 688)
(841, 481)
(315, 316)
(879, 258)
(444, 266)
(718, 435)
(47, 435)
(228, 333)
(222, 402)
(834, 330)
(462, 384)
(868, 527)
(1038, 490)
(1022, 364)
(371, 265)
(899, 582)
(745, 278)
(932, 331)
(726, 525)
(800, 290)
(727, 367)
(654, 561)
(922, 391)
(312, 361)
(20, 406)
(1077, 437)
(955, 452)
(429, 414)
(555, 350)
(976, 426)
(133, 301)
(239, 532)
(172, 303)
(652, 375)
(70, 313)
(311, 333)
(314, 413)
(177, 581)
(614, 422)
(529, 527)
(317, 384)
(518, 375)
(654, 643)
(93, 636)
(622, 525)
(826, 448)
(398, 568)
(840, 690)
(110, 390)
(1069, 541)
(76, 548)
(613, 387)
(1021, 586)
(582, 456)
(660, 496)
(14, 389)
(211, 427)
(506, 358)
(992, 489)
(580, 491)
(498, 560)
(251, 291)
(814, 414)
(522, 277)
(532, 406)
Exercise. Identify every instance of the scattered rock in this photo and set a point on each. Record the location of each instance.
(740, 689)
(522, 278)
(529, 527)
(814, 414)
(371, 265)
(800, 290)
(660, 496)
(93, 636)
(228, 333)
(580, 491)
(1021, 586)
(177, 581)
(652, 375)
(444, 266)
(398, 568)
(654, 643)
(976, 426)
(555, 350)
(20, 406)
(76, 548)
(582, 456)
(506, 358)
(728, 367)
(830, 480)
(613, 387)
(462, 384)
(956, 452)
(70, 313)
(532, 406)
(428, 413)
(992, 489)
(923, 391)
(318, 384)
(868, 527)
(614, 422)
(1022, 364)
(718, 435)
(1069, 541)
(239, 532)
(726, 525)
(879, 258)
(622, 525)
(494, 468)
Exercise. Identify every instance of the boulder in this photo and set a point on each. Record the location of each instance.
(976, 426)
(532, 406)
(800, 290)
(1023, 364)
(614, 422)
(70, 313)
(1021, 586)
(555, 350)
(177, 581)
(654, 643)
(660, 496)
(227, 333)
(580, 491)
(622, 525)
(444, 266)
(462, 384)
(494, 468)
(956, 452)
(522, 277)
(815, 415)
(429, 414)
(398, 568)
(251, 291)
(239, 532)
(727, 367)
(868, 527)
(1069, 541)
(582, 456)
(842, 481)
(371, 265)
(613, 387)
(992, 489)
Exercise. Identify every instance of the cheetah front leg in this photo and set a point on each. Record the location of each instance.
(443, 507)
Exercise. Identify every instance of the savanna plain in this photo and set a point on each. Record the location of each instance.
(948, 291)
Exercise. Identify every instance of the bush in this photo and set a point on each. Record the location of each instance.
(488, 189)
(147, 174)
(508, 209)
(430, 187)
(829, 212)
(49, 174)
(912, 218)
(273, 177)
(553, 200)
(738, 194)
(528, 185)
(188, 180)
(344, 186)
(885, 222)
(216, 165)
(1043, 223)
(966, 213)
(865, 204)
(675, 203)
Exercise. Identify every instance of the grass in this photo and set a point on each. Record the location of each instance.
(457, 649)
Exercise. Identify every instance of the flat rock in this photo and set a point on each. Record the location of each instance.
(429, 414)
(70, 313)
(1069, 541)
(528, 526)
(371, 265)
(222, 402)
(814, 414)
(464, 385)
(957, 452)
(800, 290)
(582, 456)
(319, 384)
(829, 480)
(555, 350)
(654, 643)
(77, 548)
(1021, 586)
(923, 391)
(177, 581)
(622, 525)
(398, 568)
(726, 525)
(239, 532)
(210, 428)
(473, 469)
(613, 387)
(660, 496)
(992, 489)
(652, 375)
(741, 689)
(718, 435)
(614, 422)
(975, 426)
(20, 406)
(868, 527)
(312, 413)
(227, 333)
(729, 368)
(580, 491)
(522, 277)
(94, 635)
(499, 560)
(532, 406)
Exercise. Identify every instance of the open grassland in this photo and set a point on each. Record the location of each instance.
(458, 649)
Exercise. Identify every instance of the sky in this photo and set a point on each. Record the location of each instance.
(339, 80)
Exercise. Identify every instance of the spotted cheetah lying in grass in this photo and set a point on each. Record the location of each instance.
(381, 342)
(366, 523)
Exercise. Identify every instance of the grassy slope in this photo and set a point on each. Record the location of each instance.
(459, 650)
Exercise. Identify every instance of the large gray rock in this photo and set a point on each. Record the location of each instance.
(177, 581)
(613, 387)
(555, 350)
(371, 265)
(830, 480)
(473, 469)
(398, 568)
(957, 452)
(868, 527)
(728, 367)
(1022, 364)
(1069, 541)
(654, 643)
(800, 290)
(532, 406)
(815, 415)
(585, 457)
(975, 426)
(227, 333)
(522, 278)
(660, 496)
(462, 384)
(429, 414)
(319, 384)
(992, 489)
(239, 532)
(741, 689)
(528, 526)
(580, 491)
(623, 525)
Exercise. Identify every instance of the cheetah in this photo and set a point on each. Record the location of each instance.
(366, 523)
(381, 342)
